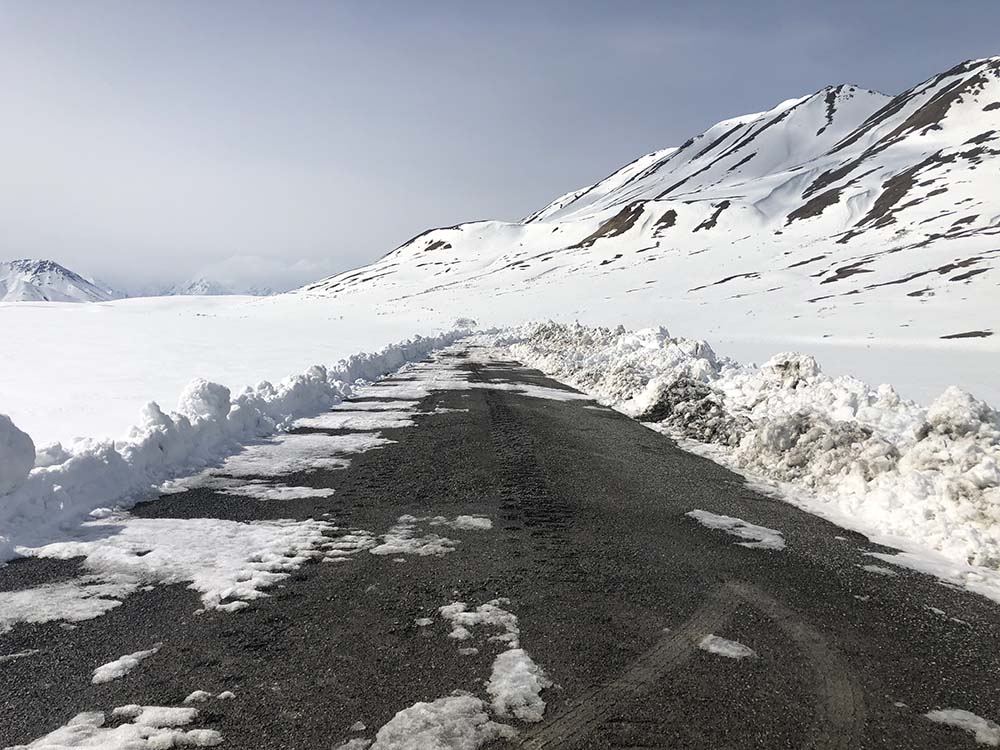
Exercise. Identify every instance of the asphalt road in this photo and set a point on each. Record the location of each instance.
(612, 584)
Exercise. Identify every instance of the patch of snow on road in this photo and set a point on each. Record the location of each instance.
(985, 731)
(403, 539)
(258, 489)
(458, 722)
(516, 685)
(79, 599)
(287, 454)
(198, 696)
(490, 615)
(121, 666)
(723, 647)
(761, 537)
(229, 563)
(396, 405)
(358, 420)
(150, 727)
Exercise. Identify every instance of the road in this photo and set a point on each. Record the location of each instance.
(613, 585)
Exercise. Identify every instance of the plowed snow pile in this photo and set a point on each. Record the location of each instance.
(53, 488)
(917, 477)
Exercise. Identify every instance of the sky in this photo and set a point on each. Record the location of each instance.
(273, 143)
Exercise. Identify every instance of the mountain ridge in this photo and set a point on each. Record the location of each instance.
(820, 204)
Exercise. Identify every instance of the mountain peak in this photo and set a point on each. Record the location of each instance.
(42, 280)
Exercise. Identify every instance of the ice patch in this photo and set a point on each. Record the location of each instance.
(121, 666)
(150, 727)
(730, 649)
(985, 731)
(287, 454)
(761, 537)
(516, 685)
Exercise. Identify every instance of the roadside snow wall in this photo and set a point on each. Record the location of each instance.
(895, 469)
(53, 488)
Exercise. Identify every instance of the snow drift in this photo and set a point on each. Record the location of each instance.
(845, 450)
(54, 487)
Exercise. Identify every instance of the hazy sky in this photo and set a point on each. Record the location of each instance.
(280, 141)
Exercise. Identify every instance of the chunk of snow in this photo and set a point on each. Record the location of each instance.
(985, 731)
(17, 456)
(198, 696)
(731, 649)
(151, 727)
(358, 420)
(120, 666)
(225, 695)
(458, 722)
(516, 685)
(761, 537)
(465, 523)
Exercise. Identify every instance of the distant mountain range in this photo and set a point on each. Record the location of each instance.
(28, 280)
(845, 213)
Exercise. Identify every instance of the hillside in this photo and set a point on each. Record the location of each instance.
(846, 215)
(47, 281)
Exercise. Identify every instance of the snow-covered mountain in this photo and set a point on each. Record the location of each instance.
(203, 286)
(846, 213)
(46, 281)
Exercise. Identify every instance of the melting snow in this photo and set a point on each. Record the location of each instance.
(121, 666)
(761, 537)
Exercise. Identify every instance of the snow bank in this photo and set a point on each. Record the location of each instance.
(888, 466)
(17, 455)
(210, 423)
